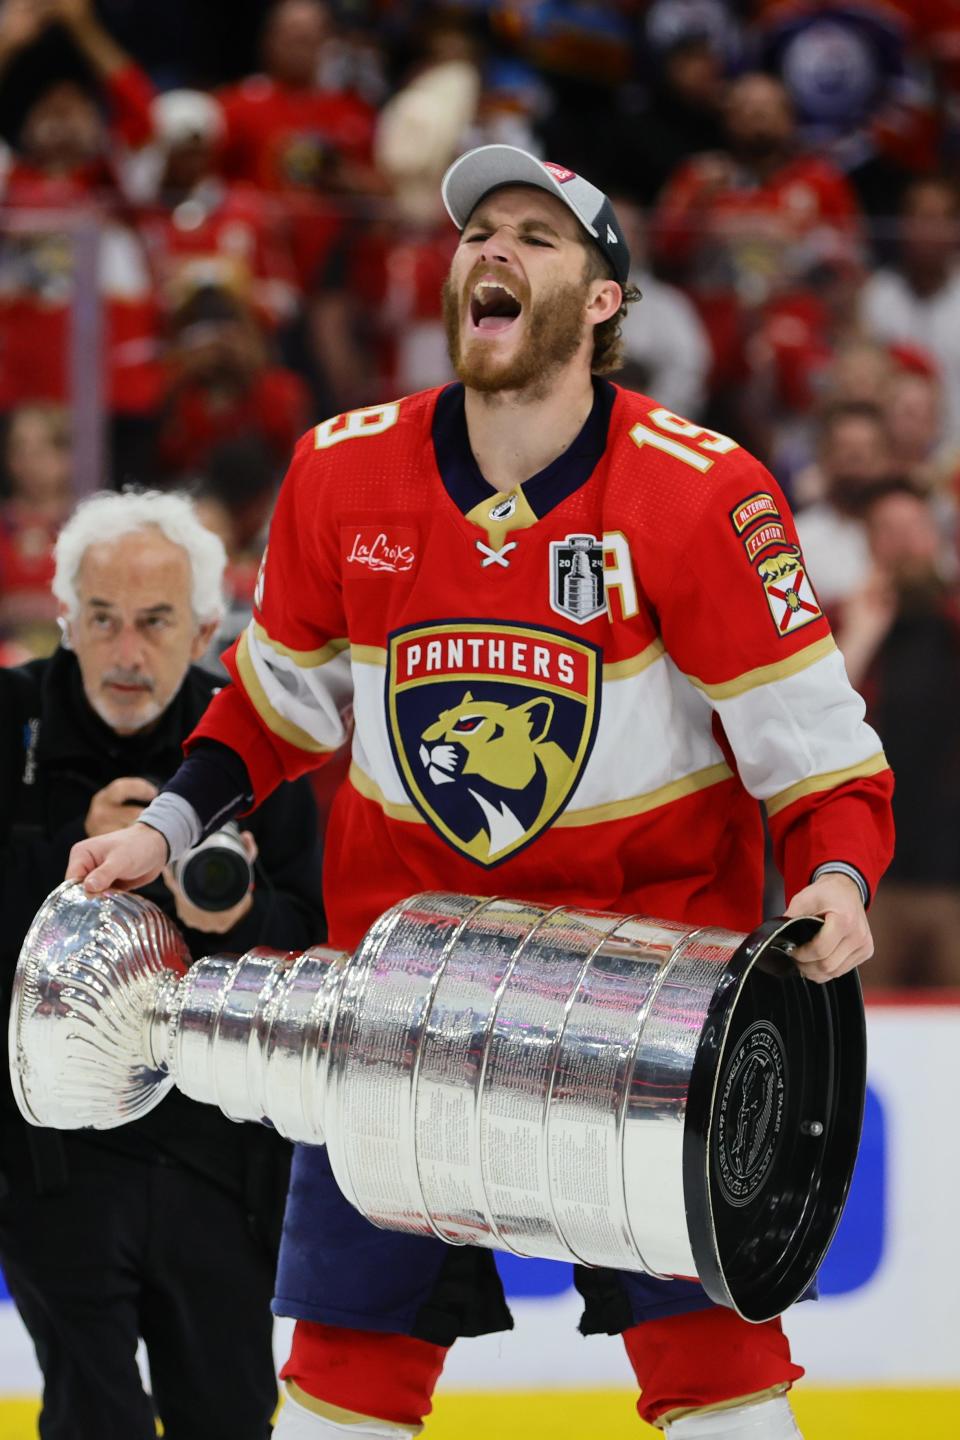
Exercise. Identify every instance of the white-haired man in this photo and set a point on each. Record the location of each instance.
(165, 1229)
(533, 547)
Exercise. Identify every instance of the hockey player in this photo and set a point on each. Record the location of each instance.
(575, 641)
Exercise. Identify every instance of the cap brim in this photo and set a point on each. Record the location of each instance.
(491, 167)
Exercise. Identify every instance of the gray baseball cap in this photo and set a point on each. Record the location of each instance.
(490, 167)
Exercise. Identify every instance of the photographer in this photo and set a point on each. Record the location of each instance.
(165, 1229)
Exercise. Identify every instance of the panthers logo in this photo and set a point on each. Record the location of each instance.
(491, 727)
(502, 758)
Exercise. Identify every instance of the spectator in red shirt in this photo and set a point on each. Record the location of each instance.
(64, 160)
(222, 387)
(198, 227)
(40, 497)
(287, 134)
(751, 229)
(64, 149)
(746, 211)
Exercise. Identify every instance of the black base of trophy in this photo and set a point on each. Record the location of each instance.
(774, 1112)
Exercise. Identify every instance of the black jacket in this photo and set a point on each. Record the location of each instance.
(72, 756)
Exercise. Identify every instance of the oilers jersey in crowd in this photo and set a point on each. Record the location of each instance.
(575, 693)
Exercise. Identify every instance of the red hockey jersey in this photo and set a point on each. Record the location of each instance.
(574, 693)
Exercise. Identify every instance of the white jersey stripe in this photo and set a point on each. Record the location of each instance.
(805, 727)
(370, 790)
(640, 804)
(655, 740)
(308, 707)
(751, 679)
(634, 712)
(654, 730)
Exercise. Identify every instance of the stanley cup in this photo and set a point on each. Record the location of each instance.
(618, 1091)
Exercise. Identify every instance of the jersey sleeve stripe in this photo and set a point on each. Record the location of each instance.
(306, 659)
(290, 701)
(829, 781)
(792, 729)
(621, 669)
(764, 674)
(640, 804)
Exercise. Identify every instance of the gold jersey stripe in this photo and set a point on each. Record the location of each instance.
(621, 669)
(640, 804)
(595, 815)
(827, 781)
(272, 718)
(370, 790)
(369, 655)
(764, 674)
(340, 1416)
(306, 659)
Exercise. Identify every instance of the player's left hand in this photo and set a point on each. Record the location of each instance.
(844, 940)
(212, 922)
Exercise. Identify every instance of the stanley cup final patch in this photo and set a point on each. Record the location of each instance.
(491, 725)
(576, 578)
(788, 590)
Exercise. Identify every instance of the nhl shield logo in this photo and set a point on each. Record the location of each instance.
(491, 726)
(504, 509)
(576, 578)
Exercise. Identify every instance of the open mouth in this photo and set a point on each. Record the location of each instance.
(493, 307)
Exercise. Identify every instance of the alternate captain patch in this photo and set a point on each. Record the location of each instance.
(754, 508)
(491, 726)
(788, 590)
(576, 578)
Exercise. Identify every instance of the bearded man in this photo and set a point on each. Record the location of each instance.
(574, 639)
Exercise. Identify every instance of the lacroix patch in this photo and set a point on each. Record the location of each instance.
(379, 549)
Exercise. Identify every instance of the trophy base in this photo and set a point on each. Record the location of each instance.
(773, 1120)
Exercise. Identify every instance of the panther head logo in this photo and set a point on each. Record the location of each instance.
(500, 755)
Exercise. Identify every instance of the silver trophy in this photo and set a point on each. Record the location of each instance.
(621, 1092)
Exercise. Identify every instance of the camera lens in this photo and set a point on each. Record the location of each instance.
(215, 879)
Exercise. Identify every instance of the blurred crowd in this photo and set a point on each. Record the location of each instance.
(248, 198)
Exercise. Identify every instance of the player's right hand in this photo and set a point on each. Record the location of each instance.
(122, 860)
